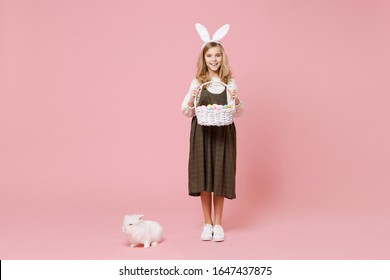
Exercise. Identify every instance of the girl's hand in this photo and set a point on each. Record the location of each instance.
(195, 93)
(233, 94)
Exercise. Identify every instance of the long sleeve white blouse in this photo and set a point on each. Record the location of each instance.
(212, 88)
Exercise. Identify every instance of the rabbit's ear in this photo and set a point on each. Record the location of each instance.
(221, 32)
(203, 33)
(140, 216)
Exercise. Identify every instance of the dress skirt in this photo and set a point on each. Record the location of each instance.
(212, 159)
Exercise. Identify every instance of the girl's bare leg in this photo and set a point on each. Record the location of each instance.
(206, 207)
(218, 209)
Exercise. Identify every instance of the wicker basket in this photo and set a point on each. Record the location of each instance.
(215, 117)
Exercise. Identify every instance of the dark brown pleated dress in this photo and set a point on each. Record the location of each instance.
(212, 162)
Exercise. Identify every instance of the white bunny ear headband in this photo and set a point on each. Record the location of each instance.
(205, 36)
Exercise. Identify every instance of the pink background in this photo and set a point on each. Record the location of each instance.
(91, 129)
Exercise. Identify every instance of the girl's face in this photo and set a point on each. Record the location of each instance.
(213, 58)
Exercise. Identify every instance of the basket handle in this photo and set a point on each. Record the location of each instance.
(211, 82)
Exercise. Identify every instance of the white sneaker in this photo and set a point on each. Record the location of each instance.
(219, 234)
(207, 233)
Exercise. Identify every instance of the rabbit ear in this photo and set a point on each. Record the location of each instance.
(203, 33)
(140, 216)
(221, 32)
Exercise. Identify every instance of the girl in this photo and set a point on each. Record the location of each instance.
(212, 159)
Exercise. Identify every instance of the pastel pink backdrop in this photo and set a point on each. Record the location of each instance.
(91, 128)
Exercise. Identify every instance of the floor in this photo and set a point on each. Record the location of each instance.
(77, 231)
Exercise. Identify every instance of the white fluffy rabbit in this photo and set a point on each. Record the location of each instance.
(142, 232)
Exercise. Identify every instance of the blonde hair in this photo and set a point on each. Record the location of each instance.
(202, 74)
